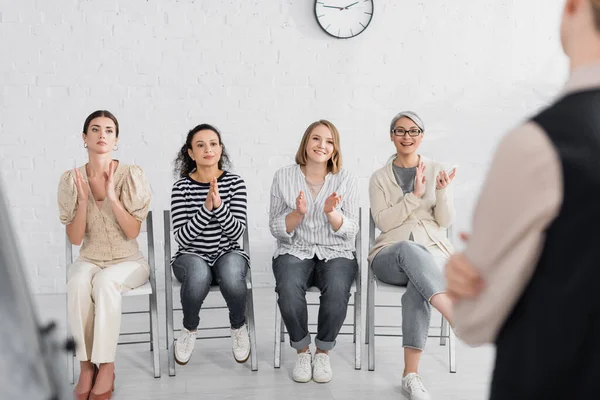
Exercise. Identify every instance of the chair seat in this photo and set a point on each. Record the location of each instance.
(213, 288)
(386, 287)
(144, 290)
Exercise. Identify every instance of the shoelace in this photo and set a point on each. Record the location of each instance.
(321, 362)
(415, 383)
(237, 338)
(187, 341)
(305, 362)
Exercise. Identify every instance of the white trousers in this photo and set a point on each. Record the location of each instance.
(94, 291)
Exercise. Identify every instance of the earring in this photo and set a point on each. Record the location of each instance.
(85, 145)
(116, 147)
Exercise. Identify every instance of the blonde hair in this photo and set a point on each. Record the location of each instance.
(334, 164)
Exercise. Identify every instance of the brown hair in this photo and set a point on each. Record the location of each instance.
(596, 11)
(335, 162)
(97, 114)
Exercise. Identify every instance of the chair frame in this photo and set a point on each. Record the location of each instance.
(171, 281)
(148, 227)
(356, 290)
(446, 333)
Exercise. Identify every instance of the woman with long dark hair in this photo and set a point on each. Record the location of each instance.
(208, 208)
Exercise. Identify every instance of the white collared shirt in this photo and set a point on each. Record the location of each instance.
(314, 236)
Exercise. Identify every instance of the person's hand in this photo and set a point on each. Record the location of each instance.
(332, 202)
(82, 187)
(216, 198)
(463, 279)
(208, 203)
(420, 181)
(109, 182)
(443, 179)
(301, 203)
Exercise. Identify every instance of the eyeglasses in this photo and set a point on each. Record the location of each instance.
(402, 132)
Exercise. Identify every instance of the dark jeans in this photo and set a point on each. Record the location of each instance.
(196, 276)
(334, 278)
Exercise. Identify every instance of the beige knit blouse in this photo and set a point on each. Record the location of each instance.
(104, 240)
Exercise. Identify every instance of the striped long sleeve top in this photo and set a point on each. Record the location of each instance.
(314, 235)
(209, 234)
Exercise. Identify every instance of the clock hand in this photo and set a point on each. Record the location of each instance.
(339, 8)
(347, 7)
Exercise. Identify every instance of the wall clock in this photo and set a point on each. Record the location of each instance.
(344, 19)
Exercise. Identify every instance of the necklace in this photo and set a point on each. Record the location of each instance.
(314, 188)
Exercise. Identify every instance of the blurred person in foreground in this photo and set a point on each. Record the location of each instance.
(529, 276)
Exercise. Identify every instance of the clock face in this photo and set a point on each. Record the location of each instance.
(344, 19)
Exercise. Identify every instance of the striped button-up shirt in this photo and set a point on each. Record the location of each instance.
(314, 236)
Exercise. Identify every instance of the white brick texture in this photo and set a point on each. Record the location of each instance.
(261, 71)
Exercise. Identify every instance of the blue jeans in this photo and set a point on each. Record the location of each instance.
(412, 265)
(334, 278)
(196, 277)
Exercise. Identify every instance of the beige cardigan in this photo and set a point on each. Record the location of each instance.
(397, 214)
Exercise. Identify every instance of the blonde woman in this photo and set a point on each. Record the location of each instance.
(314, 217)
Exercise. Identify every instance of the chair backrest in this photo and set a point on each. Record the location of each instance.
(146, 227)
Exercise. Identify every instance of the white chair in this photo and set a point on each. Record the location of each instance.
(373, 282)
(280, 329)
(171, 284)
(147, 289)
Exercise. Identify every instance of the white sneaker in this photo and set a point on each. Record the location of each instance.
(240, 344)
(413, 385)
(303, 369)
(184, 346)
(322, 372)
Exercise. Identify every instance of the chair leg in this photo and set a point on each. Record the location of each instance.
(150, 317)
(367, 326)
(452, 350)
(443, 331)
(170, 335)
(71, 366)
(70, 353)
(357, 331)
(371, 320)
(154, 333)
(278, 337)
(252, 329)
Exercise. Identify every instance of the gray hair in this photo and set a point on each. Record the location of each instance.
(410, 115)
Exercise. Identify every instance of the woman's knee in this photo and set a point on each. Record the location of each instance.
(191, 269)
(407, 248)
(232, 269)
(103, 282)
(80, 277)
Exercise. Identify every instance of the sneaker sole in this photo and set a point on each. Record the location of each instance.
(241, 361)
(302, 381)
(180, 362)
(320, 381)
(408, 394)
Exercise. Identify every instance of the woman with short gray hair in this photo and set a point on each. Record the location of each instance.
(411, 203)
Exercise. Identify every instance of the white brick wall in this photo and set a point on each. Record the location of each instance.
(260, 71)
